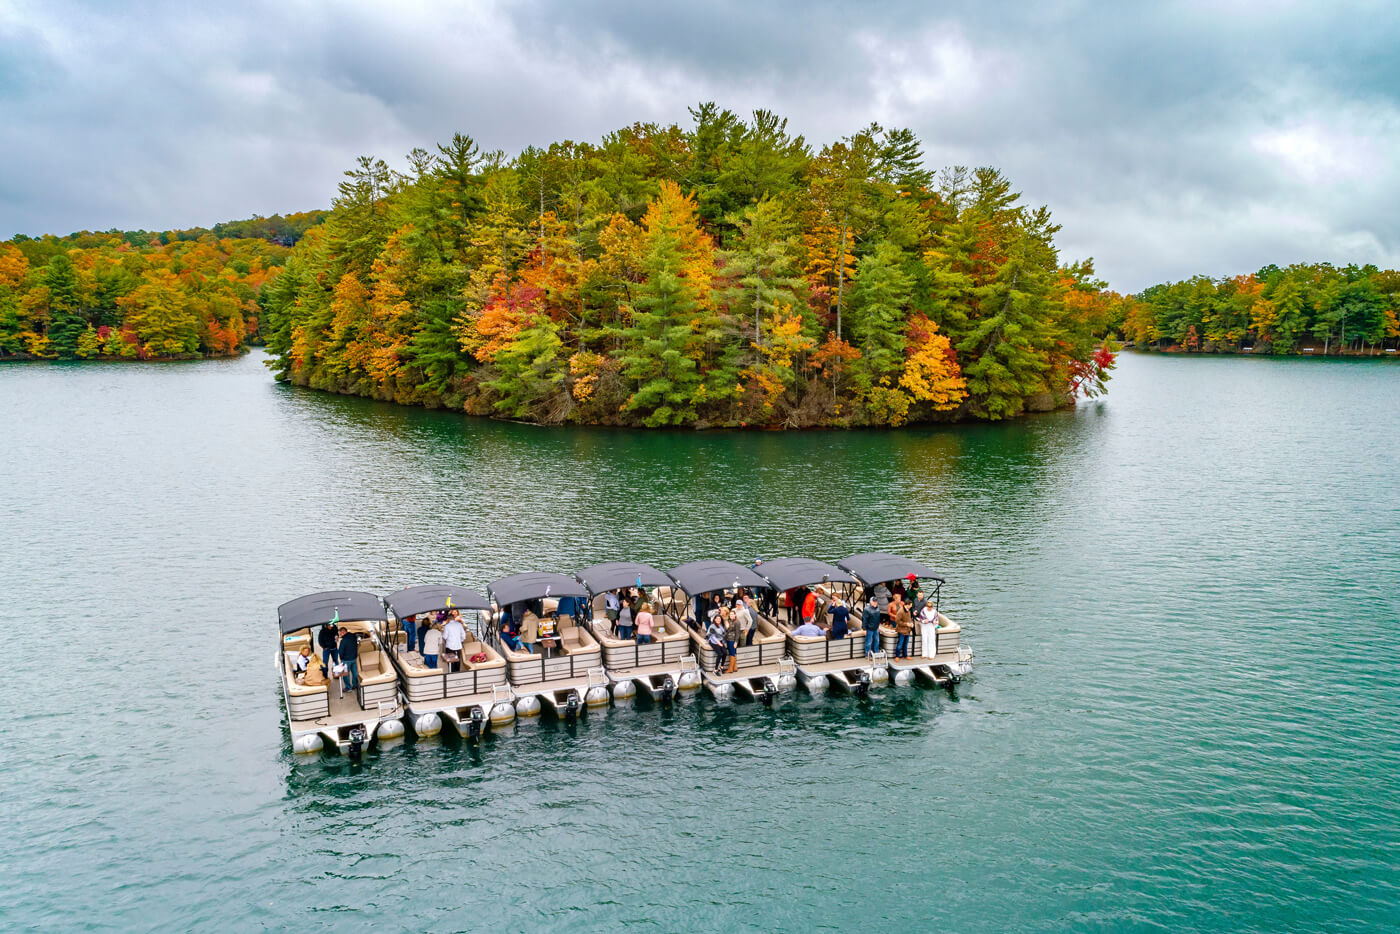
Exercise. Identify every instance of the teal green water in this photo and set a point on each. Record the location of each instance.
(1185, 602)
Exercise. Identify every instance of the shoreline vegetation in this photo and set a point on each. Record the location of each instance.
(1314, 309)
(725, 275)
(138, 295)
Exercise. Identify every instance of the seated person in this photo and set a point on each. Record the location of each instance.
(809, 629)
(300, 663)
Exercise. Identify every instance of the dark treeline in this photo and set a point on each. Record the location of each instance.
(1313, 308)
(724, 274)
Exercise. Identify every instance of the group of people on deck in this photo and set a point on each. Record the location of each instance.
(731, 622)
(438, 636)
(526, 627)
(903, 605)
(340, 657)
(630, 615)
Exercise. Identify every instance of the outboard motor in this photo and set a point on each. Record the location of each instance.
(668, 691)
(357, 744)
(862, 685)
(474, 725)
(571, 707)
(770, 690)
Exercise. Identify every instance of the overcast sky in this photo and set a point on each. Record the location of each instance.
(1169, 139)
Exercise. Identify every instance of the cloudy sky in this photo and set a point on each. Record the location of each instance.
(1169, 138)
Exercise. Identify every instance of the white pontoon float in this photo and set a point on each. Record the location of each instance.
(662, 667)
(469, 698)
(763, 668)
(568, 678)
(947, 659)
(326, 714)
(822, 661)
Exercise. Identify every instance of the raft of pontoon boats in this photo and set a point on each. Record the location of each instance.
(590, 665)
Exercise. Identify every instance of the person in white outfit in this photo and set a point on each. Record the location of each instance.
(454, 636)
(928, 629)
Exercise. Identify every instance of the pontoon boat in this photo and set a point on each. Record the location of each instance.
(662, 667)
(822, 661)
(947, 659)
(762, 668)
(325, 712)
(565, 671)
(469, 698)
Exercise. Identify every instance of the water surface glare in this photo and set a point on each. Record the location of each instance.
(1185, 602)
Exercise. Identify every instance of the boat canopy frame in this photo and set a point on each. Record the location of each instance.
(534, 585)
(341, 606)
(880, 567)
(785, 574)
(619, 575)
(425, 598)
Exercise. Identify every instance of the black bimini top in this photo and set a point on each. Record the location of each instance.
(428, 597)
(341, 606)
(701, 577)
(788, 573)
(616, 575)
(534, 585)
(876, 567)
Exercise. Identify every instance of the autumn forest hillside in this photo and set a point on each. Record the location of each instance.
(141, 295)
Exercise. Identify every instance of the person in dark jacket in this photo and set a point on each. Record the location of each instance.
(840, 618)
(326, 640)
(350, 656)
(870, 622)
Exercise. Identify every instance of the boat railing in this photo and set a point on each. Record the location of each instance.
(816, 650)
(538, 669)
(376, 693)
(748, 656)
(439, 685)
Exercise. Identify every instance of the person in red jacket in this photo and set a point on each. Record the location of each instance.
(809, 607)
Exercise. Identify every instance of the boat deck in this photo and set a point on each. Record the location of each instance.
(345, 711)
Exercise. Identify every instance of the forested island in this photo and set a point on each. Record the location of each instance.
(140, 295)
(728, 274)
(722, 275)
(1312, 308)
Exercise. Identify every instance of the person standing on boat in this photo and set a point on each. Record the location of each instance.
(432, 647)
(840, 618)
(454, 636)
(645, 622)
(928, 630)
(809, 607)
(326, 639)
(882, 596)
(714, 634)
(915, 594)
(624, 620)
(611, 607)
(903, 627)
(870, 622)
(529, 631)
(350, 656)
(743, 611)
(733, 633)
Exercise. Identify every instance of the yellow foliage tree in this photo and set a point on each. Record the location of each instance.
(931, 371)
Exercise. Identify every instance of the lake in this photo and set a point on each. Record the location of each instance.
(1184, 599)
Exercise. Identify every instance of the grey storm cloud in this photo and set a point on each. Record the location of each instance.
(1169, 139)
